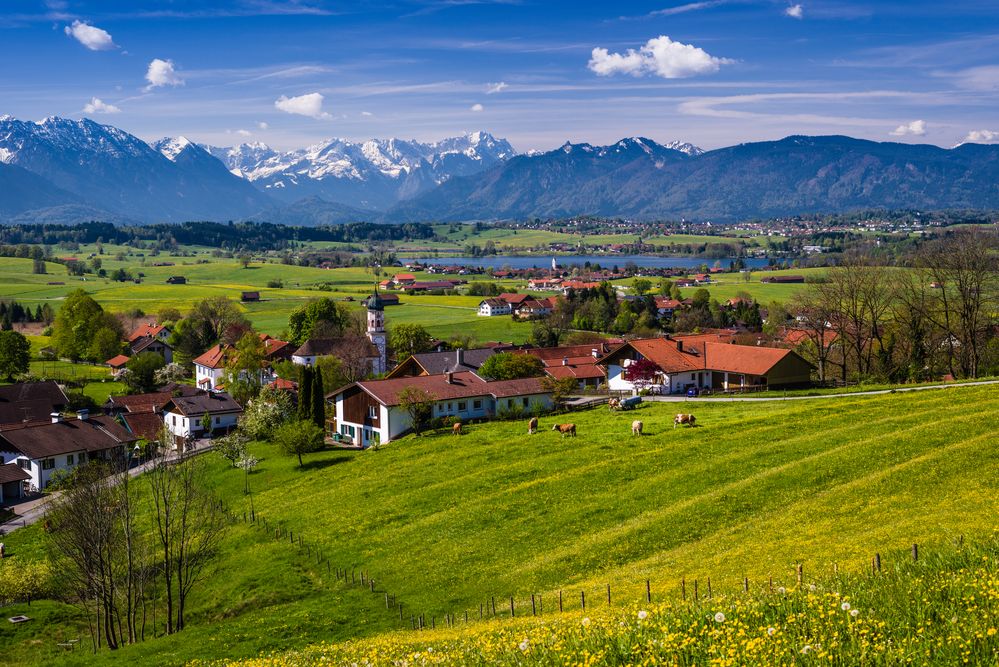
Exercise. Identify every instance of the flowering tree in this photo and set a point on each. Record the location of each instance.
(642, 373)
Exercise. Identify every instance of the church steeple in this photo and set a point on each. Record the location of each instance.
(376, 331)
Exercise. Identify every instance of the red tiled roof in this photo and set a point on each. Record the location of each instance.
(151, 329)
(513, 299)
(145, 425)
(286, 385)
(463, 385)
(118, 361)
(571, 351)
(580, 372)
(214, 357)
(140, 402)
(748, 359)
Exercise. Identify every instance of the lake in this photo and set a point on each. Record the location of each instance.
(605, 261)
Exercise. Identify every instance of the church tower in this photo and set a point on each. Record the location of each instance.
(376, 332)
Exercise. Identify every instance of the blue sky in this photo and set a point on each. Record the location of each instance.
(538, 72)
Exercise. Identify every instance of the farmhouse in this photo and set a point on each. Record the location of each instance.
(494, 307)
(435, 363)
(209, 367)
(782, 280)
(575, 361)
(150, 330)
(680, 365)
(43, 448)
(404, 279)
(530, 309)
(152, 344)
(371, 412)
(30, 401)
(183, 415)
(386, 299)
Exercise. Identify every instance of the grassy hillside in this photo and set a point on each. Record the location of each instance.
(446, 523)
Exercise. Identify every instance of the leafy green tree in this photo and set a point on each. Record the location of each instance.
(76, 325)
(243, 367)
(15, 354)
(271, 408)
(207, 324)
(324, 313)
(419, 404)
(141, 376)
(560, 388)
(105, 345)
(298, 437)
(206, 425)
(641, 285)
(407, 339)
(511, 365)
(318, 399)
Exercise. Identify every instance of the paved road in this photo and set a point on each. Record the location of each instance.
(898, 390)
(31, 511)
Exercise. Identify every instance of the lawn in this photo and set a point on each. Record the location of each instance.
(447, 523)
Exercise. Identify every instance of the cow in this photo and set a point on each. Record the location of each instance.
(456, 429)
(614, 404)
(532, 426)
(636, 427)
(565, 429)
(684, 419)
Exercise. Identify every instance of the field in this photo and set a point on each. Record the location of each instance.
(445, 524)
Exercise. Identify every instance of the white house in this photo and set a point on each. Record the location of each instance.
(210, 367)
(183, 415)
(494, 307)
(42, 449)
(371, 412)
(377, 355)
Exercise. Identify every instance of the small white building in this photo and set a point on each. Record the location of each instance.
(183, 415)
(494, 307)
(210, 367)
(370, 412)
(43, 449)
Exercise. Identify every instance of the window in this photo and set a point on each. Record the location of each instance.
(218, 420)
(69, 459)
(372, 412)
(477, 405)
(173, 419)
(48, 464)
(525, 401)
(462, 406)
(24, 463)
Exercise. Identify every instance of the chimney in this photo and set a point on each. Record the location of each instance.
(595, 352)
(565, 361)
(679, 345)
(449, 377)
(56, 417)
(459, 357)
(83, 415)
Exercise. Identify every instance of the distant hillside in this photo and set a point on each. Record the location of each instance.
(794, 175)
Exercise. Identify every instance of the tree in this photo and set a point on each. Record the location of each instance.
(305, 386)
(142, 368)
(407, 339)
(560, 388)
(15, 354)
(641, 285)
(642, 373)
(243, 367)
(171, 373)
(77, 324)
(318, 399)
(299, 437)
(510, 366)
(206, 424)
(322, 313)
(206, 325)
(270, 409)
(419, 404)
(231, 447)
(105, 344)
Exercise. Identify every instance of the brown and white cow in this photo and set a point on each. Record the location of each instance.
(636, 427)
(456, 429)
(684, 419)
(565, 429)
(532, 426)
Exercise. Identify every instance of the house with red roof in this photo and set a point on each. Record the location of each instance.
(575, 361)
(403, 279)
(371, 412)
(209, 367)
(701, 363)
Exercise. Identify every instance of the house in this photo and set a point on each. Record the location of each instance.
(176, 280)
(275, 349)
(12, 483)
(513, 298)
(43, 448)
(370, 412)
(575, 361)
(152, 344)
(183, 415)
(117, 364)
(209, 367)
(543, 284)
(530, 309)
(782, 280)
(143, 425)
(428, 285)
(667, 307)
(436, 363)
(494, 307)
(31, 401)
(385, 284)
(249, 297)
(403, 279)
(150, 330)
(576, 285)
(684, 364)
(311, 350)
(377, 353)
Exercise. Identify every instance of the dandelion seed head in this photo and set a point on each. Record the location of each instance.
(719, 617)
(854, 613)
(586, 622)
(781, 590)
(524, 645)
(771, 631)
(642, 615)
(806, 649)
(845, 606)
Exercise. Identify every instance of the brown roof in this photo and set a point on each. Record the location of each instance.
(513, 299)
(118, 361)
(145, 425)
(30, 401)
(748, 359)
(321, 347)
(462, 385)
(199, 404)
(214, 357)
(705, 355)
(580, 372)
(42, 440)
(11, 472)
(141, 343)
(151, 402)
(571, 351)
(152, 329)
(663, 353)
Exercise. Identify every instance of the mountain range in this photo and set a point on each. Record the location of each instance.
(60, 170)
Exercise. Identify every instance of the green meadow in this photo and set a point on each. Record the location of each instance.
(447, 523)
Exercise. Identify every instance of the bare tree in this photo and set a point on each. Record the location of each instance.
(814, 315)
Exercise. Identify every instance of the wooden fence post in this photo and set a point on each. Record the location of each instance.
(494, 605)
(608, 595)
(512, 611)
(800, 574)
(648, 591)
(683, 589)
(745, 584)
(915, 552)
(695, 590)
(560, 602)
(709, 587)
(582, 599)
(877, 562)
(534, 608)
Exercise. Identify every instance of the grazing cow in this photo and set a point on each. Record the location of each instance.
(456, 429)
(684, 419)
(636, 427)
(565, 429)
(532, 426)
(614, 404)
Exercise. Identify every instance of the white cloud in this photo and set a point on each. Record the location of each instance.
(162, 73)
(310, 104)
(367, 113)
(795, 12)
(494, 88)
(981, 137)
(90, 36)
(660, 56)
(97, 105)
(916, 128)
(244, 133)
(689, 7)
(262, 125)
(477, 107)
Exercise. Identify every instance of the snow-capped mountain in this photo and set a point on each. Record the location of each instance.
(684, 147)
(373, 174)
(110, 170)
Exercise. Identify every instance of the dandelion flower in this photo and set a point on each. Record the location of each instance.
(642, 615)
(811, 587)
(854, 613)
(524, 645)
(806, 649)
(719, 617)
(845, 606)
(586, 622)
(781, 590)
(771, 631)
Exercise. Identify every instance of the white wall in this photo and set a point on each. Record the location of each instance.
(184, 427)
(40, 478)
(202, 372)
